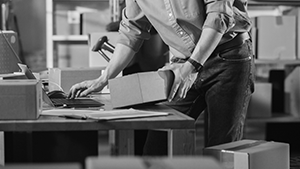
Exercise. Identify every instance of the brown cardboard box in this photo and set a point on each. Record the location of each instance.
(251, 154)
(195, 162)
(20, 99)
(276, 37)
(94, 22)
(140, 88)
(261, 101)
(292, 92)
(64, 78)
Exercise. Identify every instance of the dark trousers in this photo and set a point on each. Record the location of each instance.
(222, 89)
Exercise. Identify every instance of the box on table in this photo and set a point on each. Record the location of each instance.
(65, 78)
(195, 162)
(20, 99)
(251, 154)
(140, 88)
(276, 37)
(261, 101)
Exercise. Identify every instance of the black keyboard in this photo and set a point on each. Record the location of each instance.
(85, 102)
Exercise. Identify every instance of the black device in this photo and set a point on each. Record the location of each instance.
(103, 43)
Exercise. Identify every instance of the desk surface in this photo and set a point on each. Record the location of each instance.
(175, 120)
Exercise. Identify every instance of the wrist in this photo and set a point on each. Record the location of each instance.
(196, 65)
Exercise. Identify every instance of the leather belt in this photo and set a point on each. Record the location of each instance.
(236, 41)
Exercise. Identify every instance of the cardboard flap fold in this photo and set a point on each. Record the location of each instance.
(168, 76)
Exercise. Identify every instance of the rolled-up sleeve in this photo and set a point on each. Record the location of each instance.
(219, 15)
(134, 27)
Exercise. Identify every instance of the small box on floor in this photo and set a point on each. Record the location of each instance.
(251, 154)
(20, 99)
(65, 78)
(140, 88)
(195, 162)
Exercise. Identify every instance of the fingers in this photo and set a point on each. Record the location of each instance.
(76, 91)
(173, 91)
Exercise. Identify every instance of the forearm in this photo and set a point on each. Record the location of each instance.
(209, 40)
(120, 59)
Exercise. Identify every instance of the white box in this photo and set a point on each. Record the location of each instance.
(292, 92)
(276, 37)
(140, 88)
(251, 154)
(20, 99)
(65, 78)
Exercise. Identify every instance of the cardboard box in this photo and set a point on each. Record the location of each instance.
(139, 88)
(292, 92)
(261, 101)
(195, 162)
(64, 78)
(20, 99)
(276, 37)
(94, 22)
(251, 154)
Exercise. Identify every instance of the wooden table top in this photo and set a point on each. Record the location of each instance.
(175, 120)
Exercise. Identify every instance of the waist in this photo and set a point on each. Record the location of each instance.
(236, 41)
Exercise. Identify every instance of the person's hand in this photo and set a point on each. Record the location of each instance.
(85, 88)
(182, 82)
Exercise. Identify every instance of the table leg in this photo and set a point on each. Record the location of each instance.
(122, 142)
(181, 142)
(2, 160)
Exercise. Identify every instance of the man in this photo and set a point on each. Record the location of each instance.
(212, 61)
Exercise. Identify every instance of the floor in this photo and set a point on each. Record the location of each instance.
(253, 132)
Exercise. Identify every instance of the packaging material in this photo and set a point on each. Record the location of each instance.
(20, 99)
(15, 75)
(261, 101)
(94, 22)
(140, 88)
(251, 154)
(292, 92)
(95, 59)
(276, 37)
(195, 162)
(295, 11)
(65, 78)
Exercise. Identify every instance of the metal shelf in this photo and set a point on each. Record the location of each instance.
(52, 40)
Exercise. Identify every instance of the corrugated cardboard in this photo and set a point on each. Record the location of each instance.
(64, 78)
(20, 99)
(140, 88)
(251, 154)
(261, 101)
(151, 163)
(292, 92)
(276, 37)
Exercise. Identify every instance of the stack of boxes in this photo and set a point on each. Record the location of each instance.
(276, 41)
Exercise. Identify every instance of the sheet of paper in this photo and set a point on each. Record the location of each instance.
(102, 114)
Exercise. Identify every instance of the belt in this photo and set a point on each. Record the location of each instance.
(236, 41)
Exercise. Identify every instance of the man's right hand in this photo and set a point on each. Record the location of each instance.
(85, 88)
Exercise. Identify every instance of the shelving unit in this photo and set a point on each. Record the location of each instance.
(52, 40)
